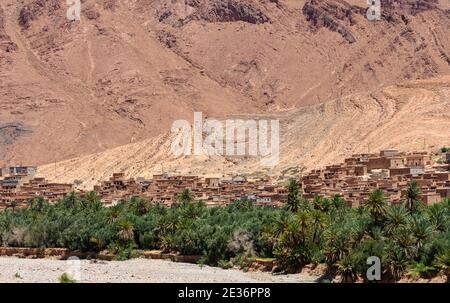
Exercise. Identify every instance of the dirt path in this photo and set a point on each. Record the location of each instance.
(15, 270)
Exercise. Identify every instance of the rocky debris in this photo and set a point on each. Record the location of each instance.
(36, 8)
(335, 16)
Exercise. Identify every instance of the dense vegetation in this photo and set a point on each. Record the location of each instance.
(407, 238)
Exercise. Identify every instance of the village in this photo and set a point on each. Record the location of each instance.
(353, 180)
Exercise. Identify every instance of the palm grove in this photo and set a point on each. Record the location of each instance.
(408, 237)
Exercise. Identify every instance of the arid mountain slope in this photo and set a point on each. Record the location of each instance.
(410, 116)
(78, 88)
(128, 69)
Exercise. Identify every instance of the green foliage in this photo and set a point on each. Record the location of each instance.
(396, 261)
(225, 264)
(293, 199)
(442, 262)
(319, 231)
(377, 205)
(347, 269)
(421, 270)
(445, 149)
(65, 278)
(413, 202)
(185, 197)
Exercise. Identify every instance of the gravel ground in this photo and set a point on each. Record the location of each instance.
(16, 270)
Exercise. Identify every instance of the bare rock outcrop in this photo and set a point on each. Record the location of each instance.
(231, 11)
(9, 133)
(36, 8)
(411, 7)
(336, 16)
(339, 16)
(215, 11)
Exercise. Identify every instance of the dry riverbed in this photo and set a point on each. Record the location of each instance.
(17, 270)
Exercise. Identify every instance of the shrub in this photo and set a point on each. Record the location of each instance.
(65, 278)
(421, 270)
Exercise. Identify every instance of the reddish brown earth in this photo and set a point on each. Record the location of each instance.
(128, 69)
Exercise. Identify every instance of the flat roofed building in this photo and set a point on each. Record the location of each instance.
(389, 153)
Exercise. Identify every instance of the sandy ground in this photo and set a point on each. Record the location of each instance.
(15, 270)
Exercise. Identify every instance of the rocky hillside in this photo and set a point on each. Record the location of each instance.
(414, 115)
(128, 69)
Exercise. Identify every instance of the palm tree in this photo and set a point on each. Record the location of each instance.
(338, 202)
(303, 219)
(92, 199)
(185, 197)
(322, 204)
(141, 206)
(70, 201)
(293, 199)
(377, 205)
(113, 215)
(12, 205)
(346, 269)
(318, 219)
(421, 231)
(126, 231)
(396, 261)
(281, 224)
(442, 262)
(438, 216)
(412, 195)
(404, 238)
(396, 216)
(37, 204)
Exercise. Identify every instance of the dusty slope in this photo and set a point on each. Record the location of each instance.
(81, 88)
(411, 116)
(129, 68)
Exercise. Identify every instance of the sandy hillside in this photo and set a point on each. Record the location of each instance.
(411, 116)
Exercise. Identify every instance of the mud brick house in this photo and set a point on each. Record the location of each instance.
(164, 189)
(18, 170)
(389, 170)
(21, 192)
(354, 180)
